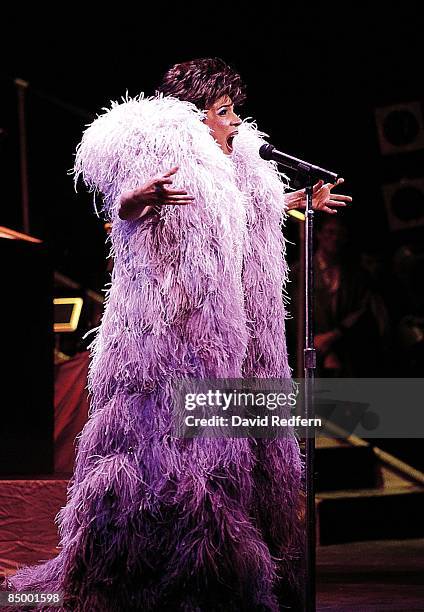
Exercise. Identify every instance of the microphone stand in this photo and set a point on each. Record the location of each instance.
(309, 362)
(307, 173)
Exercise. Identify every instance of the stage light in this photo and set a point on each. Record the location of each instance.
(67, 313)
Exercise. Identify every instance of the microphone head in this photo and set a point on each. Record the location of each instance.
(266, 151)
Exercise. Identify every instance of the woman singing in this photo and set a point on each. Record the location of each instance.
(154, 521)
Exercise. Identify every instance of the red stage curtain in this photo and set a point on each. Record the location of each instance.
(71, 408)
(28, 507)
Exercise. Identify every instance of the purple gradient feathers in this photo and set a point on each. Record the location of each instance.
(153, 522)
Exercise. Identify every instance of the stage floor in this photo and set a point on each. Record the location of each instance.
(371, 576)
(361, 576)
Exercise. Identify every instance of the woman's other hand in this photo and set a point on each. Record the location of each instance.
(154, 192)
(322, 197)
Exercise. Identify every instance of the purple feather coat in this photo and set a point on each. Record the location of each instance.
(154, 522)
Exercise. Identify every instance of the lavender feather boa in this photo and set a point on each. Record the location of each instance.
(154, 522)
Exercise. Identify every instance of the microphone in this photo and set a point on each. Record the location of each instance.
(268, 151)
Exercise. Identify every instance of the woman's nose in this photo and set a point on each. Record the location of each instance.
(236, 121)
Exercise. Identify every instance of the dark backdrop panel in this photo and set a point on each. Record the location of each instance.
(26, 356)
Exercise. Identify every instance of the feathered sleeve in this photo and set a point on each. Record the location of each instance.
(135, 140)
(182, 245)
(175, 298)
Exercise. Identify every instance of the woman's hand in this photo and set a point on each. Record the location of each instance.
(322, 197)
(153, 193)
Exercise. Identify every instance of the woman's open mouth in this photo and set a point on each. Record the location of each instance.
(230, 140)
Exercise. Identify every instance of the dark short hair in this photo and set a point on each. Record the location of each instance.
(202, 82)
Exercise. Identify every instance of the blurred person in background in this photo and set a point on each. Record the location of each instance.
(351, 319)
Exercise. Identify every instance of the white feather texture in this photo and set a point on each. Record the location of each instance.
(142, 137)
(191, 257)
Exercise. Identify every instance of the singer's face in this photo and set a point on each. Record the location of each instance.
(223, 122)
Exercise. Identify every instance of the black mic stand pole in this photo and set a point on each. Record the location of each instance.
(309, 362)
(308, 173)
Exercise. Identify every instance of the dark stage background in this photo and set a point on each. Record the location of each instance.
(348, 60)
(314, 76)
